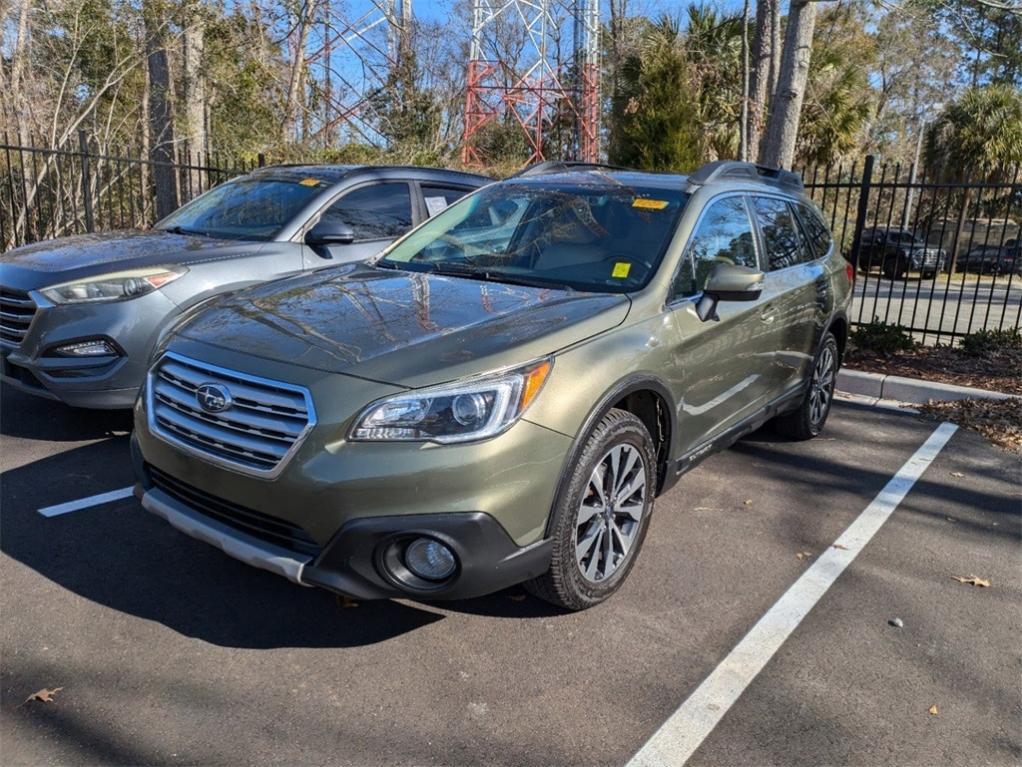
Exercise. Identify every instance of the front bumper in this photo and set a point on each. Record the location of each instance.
(929, 261)
(335, 505)
(109, 382)
(354, 561)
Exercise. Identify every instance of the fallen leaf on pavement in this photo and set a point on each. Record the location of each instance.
(346, 602)
(45, 695)
(839, 546)
(803, 555)
(972, 580)
(748, 502)
(933, 709)
(957, 474)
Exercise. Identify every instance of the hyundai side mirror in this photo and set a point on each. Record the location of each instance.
(728, 282)
(330, 232)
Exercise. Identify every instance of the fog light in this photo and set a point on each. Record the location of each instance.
(95, 348)
(430, 559)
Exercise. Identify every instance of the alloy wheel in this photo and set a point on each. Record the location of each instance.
(610, 512)
(822, 386)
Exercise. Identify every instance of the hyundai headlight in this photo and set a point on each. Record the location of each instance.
(463, 411)
(116, 286)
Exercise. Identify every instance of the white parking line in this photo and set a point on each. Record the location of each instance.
(84, 503)
(684, 731)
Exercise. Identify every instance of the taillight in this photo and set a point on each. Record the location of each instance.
(850, 271)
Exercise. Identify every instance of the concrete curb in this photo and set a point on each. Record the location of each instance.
(887, 387)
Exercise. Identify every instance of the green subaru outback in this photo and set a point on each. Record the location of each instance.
(499, 396)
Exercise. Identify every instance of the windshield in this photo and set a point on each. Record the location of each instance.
(246, 209)
(593, 238)
(906, 237)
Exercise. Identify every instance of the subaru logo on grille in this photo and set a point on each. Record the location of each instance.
(213, 398)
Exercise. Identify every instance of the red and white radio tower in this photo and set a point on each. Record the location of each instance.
(542, 90)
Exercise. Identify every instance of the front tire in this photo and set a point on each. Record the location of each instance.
(600, 518)
(808, 419)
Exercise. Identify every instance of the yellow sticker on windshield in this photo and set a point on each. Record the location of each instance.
(645, 203)
(621, 270)
(309, 182)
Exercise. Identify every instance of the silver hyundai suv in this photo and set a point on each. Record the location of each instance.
(80, 316)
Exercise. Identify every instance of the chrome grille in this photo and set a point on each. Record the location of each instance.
(263, 426)
(16, 312)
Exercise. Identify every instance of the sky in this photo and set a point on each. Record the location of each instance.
(437, 11)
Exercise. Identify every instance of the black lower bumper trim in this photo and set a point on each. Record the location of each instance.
(352, 561)
(488, 559)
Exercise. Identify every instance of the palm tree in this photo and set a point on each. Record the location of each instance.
(979, 137)
(838, 99)
(982, 131)
(713, 50)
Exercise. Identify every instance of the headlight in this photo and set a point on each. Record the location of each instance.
(459, 412)
(116, 286)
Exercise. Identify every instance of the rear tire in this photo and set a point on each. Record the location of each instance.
(601, 515)
(807, 421)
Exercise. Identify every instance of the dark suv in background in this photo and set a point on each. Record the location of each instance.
(80, 316)
(500, 396)
(993, 258)
(896, 252)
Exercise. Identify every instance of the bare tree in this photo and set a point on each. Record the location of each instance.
(744, 121)
(161, 115)
(296, 81)
(194, 82)
(786, 106)
(766, 49)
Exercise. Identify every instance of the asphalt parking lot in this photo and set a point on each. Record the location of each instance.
(169, 652)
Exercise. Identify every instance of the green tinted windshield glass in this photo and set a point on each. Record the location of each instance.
(249, 209)
(594, 238)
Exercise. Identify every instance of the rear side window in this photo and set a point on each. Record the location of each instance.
(439, 197)
(723, 235)
(781, 236)
(816, 230)
(375, 212)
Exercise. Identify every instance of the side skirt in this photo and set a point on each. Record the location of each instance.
(725, 439)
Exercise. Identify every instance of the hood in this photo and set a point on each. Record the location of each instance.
(402, 328)
(70, 258)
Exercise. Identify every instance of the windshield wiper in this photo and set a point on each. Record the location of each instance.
(459, 269)
(182, 230)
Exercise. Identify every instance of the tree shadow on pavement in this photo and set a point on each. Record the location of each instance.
(122, 557)
(28, 417)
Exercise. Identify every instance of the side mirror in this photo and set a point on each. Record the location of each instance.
(728, 282)
(330, 232)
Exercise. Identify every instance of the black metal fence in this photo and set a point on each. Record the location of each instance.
(46, 193)
(938, 257)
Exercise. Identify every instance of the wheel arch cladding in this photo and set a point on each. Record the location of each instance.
(839, 327)
(650, 401)
(651, 408)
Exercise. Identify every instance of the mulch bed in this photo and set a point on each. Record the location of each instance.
(999, 420)
(1001, 371)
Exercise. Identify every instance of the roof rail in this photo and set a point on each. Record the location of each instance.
(722, 169)
(562, 166)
